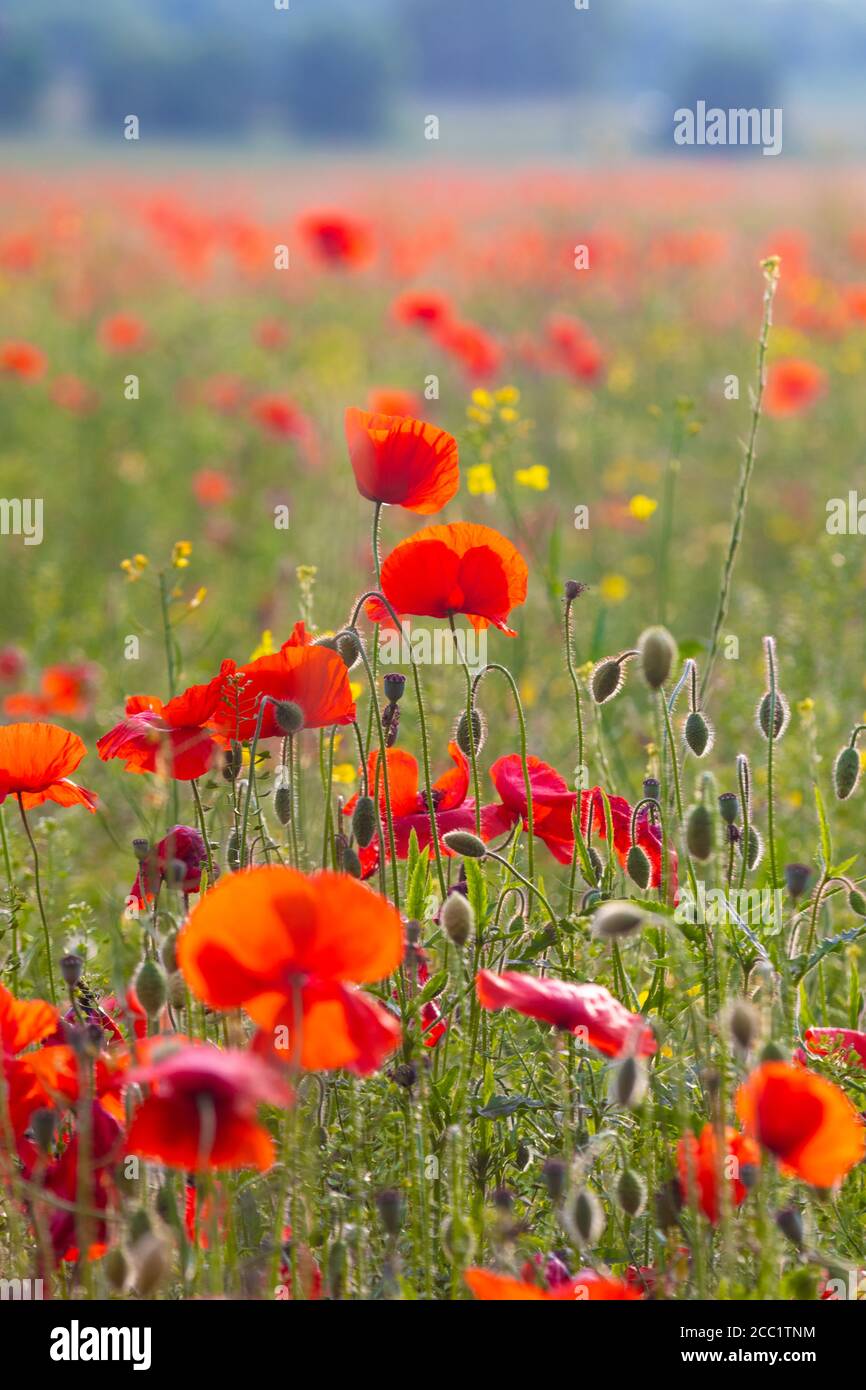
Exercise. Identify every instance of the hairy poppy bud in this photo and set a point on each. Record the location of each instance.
(857, 902)
(586, 1218)
(790, 1223)
(364, 820)
(555, 1175)
(797, 879)
(699, 832)
(631, 1192)
(668, 1204)
(233, 761)
(141, 849)
(405, 1075)
(464, 843)
(780, 717)
(283, 804)
(744, 1024)
(729, 807)
(139, 1223)
(175, 988)
(43, 1123)
(608, 677)
(617, 920)
(152, 1264)
(168, 954)
(652, 788)
(351, 862)
(479, 731)
(638, 866)
(772, 1052)
(390, 1204)
(628, 1082)
(394, 683)
(116, 1269)
(71, 967)
(149, 984)
(597, 866)
(349, 646)
(458, 1241)
(288, 716)
(755, 850)
(846, 772)
(698, 733)
(457, 918)
(658, 652)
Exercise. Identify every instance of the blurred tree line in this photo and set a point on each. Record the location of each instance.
(335, 68)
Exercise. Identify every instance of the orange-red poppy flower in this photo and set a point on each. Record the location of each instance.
(22, 360)
(279, 416)
(61, 1178)
(393, 400)
(425, 308)
(647, 833)
(336, 239)
(305, 944)
(844, 1043)
(806, 1122)
(35, 763)
(793, 386)
(313, 678)
(700, 1168)
(458, 568)
(586, 1287)
(586, 1010)
(169, 738)
(122, 333)
(402, 461)
(200, 1110)
(552, 804)
(65, 689)
(478, 353)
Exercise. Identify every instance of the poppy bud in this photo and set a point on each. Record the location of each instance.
(116, 1269)
(283, 804)
(744, 1024)
(351, 862)
(596, 862)
(631, 1192)
(555, 1174)
(729, 807)
(464, 843)
(617, 920)
(590, 901)
(364, 820)
(628, 1083)
(638, 866)
(176, 990)
(755, 848)
(288, 716)
(141, 849)
(668, 1204)
(658, 652)
(394, 683)
(699, 832)
(790, 1223)
(457, 918)
(71, 967)
(780, 717)
(698, 733)
(405, 1075)
(522, 1155)
(43, 1123)
(151, 1264)
(586, 1219)
(608, 677)
(457, 1239)
(168, 954)
(139, 1224)
(233, 850)
(857, 902)
(652, 788)
(797, 878)
(349, 646)
(461, 731)
(573, 589)
(149, 984)
(846, 772)
(390, 1204)
(233, 761)
(772, 1052)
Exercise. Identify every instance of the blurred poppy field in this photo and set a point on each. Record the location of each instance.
(344, 957)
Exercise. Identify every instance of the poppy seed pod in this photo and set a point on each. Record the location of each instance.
(149, 985)
(846, 773)
(573, 589)
(638, 866)
(797, 879)
(608, 677)
(652, 788)
(394, 684)
(628, 1082)
(658, 652)
(729, 807)
(586, 1218)
(141, 849)
(616, 920)
(479, 729)
(288, 716)
(698, 733)
(780, 717)
(631, 1192)
(458, 919)
(71, 967)
(463, 842)
(283, 805)
(364, 820)
(700, 838)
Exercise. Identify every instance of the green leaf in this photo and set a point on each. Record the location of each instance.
(826, 842)
(416, 895)
(477, 886)
(500, 1107)
(434, 986)
(831, 946)
(838, 870)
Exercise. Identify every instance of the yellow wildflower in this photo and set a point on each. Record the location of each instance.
(642, 507)
(181, 551)
(537, 477)
(480, 479)
(266, 645)
(614, 588)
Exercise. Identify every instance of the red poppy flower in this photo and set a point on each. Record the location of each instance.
(13, 663)
(35, 763)
(182, 843)
(424, 308)
(122, 333)
(212, 488)
(313, 678)
(793, 386)
(697, 1162)
(335, 239)
(61, 1178)
(200, 1111)
(573, 348)
(478, 353)
(585, 1009)
(586, 1287)
(279, 416)
(271, 334)
(65, 690)
(552, 804)
(23, 1023)
(22, 360)
(409, 805)
(648, 834)
(171, 738)
(306, 941)
(842, 1042)
(392, 400)
(71, 393)
(459, 568)
(402, 461)
(807, 1123)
